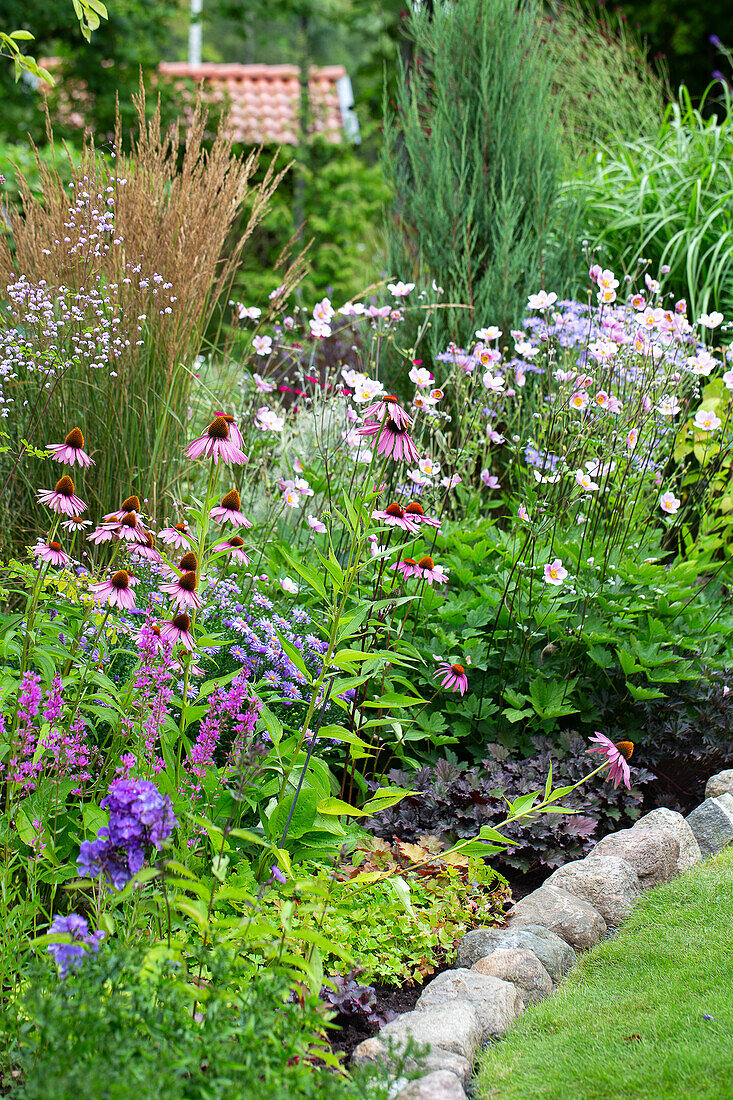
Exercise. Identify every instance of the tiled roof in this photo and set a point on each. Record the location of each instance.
(265, 99)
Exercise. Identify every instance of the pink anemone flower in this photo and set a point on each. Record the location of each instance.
(216, 443)
(50, 552)
(393, 440)
(394, 516)
(452, 677)
(71, 450)
(175, 536)
(616, 754)
(179, 630)
(235, 546)
(414, 512)
(183, 591)
(230, 510)
(62, 498)
(117, 591)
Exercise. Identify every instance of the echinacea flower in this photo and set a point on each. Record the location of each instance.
(50, 552)
(62, 498)
(669, 503)
(216, 443)
(415, 513)
(234, 433)
(129, 504)
(235, 546)
(71, 450)
(130, 529)
(229, 511)
(183, 591)
(388, 408)
(452, 677)
(146, 548)
(555, 572)
(617, 755)
(393, 440)
(406, 567)
(75, 523)
(117, 591)
(394, 516)
(179, 630)
(106, 531)
(175, 536)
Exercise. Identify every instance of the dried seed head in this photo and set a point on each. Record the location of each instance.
(75, 439)
(232, 501)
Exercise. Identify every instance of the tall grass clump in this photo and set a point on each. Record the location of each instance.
(667, 196)
(474, 155)
(109, 280)
(604, 83)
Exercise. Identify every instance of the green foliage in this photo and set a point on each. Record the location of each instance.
(667, 196)
(344, 199)
(473, 152)
(146, 1022)
(604, 84)
(93, 73)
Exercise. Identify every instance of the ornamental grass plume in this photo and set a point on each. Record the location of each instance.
(121, 273)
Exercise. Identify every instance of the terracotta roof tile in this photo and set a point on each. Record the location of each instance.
(264, 99)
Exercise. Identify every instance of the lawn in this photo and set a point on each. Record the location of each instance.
(648, 1014)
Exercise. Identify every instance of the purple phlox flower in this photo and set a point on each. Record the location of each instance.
(68, 956)
(140, 819)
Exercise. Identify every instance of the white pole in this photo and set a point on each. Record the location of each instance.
(194, 33)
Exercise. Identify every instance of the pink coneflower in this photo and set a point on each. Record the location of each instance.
(62, 498)
(129, 504)
(451, 676)
(71, 450)
(394, 442)
(407, 567)
(388, 408)
(107, 530)
(235, 546)
(179, 630)
(216, 443)
(76, 523)
(414, 512)
(189, 563)
(175, 536)
(229, 511)
(117, 591)
(130, 529)
(428, 571)
(394, 516)
(183, 590)
(50, 552)
(617, 755)
(146, 549)
(234, 433)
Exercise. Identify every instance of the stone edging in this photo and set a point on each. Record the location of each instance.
(501, 971)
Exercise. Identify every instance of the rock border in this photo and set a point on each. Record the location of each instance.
(500, 971)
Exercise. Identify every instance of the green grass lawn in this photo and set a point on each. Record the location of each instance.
(631, 1022)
